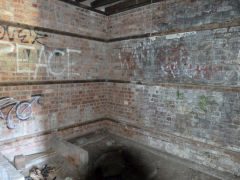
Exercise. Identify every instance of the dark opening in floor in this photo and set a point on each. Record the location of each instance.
(117, 164)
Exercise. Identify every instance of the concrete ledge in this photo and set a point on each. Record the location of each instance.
(74, 154)
(7, 171)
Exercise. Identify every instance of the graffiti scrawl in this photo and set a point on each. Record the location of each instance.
(23, 109)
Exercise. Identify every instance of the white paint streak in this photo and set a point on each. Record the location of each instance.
(153, 38)
(6, 50)
(179, 35)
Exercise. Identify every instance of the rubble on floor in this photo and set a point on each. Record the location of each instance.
(46, 173)
(54, 167)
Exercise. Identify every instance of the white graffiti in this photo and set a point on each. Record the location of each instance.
(51, 71)
(69, 51)
(41, 64)
(44, 59)
(23, 109)
(47, 61)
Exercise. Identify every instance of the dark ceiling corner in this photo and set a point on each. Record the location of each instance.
(79, 4)
(109, 7)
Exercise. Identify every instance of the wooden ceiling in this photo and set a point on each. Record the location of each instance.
(109, 7)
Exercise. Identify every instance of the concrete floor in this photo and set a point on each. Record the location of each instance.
(116, 158)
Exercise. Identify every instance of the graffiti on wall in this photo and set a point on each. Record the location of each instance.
(23, 35)
(175, 60)
(32, 59)
(23, 109)
(60, 58)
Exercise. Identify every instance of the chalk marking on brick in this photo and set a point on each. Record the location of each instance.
(179, 35)
(46, 62)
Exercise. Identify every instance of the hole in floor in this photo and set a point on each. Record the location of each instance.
(117, 164)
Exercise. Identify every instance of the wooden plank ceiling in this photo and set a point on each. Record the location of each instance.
(109, 7)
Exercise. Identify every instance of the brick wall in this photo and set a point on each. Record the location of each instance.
(41, 142)
(54, 14)
(172, 16)
(206, 117)
(180, 88)
(46, 49)
(29, 55)
(195, 151)
(61, 105)
(176, 90)
(196, 57)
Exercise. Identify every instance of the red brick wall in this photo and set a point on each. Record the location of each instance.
(28, 55)
(54, 14)
(61, 105)
(41, 142)
(53, 61)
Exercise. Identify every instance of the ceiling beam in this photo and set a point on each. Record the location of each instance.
(99, 3)
(126, 5)
(75, 2)
(83, 6)
(78, 1)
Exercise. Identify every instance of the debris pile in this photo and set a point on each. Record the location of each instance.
(46, 173)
